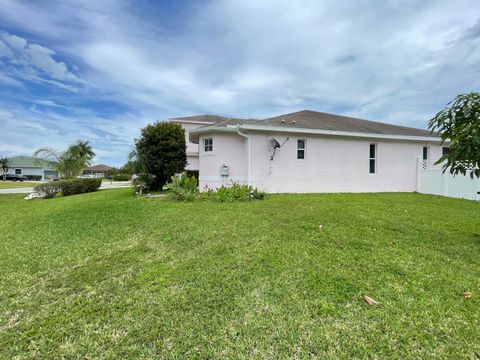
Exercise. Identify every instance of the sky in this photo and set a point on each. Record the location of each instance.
(101, 70)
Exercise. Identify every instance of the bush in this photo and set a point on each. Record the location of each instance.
(192, 173)
(48, 190)
(236, 192)
(121, 177)
(182, 188)
(33, 177)
(140, 183)
(78, 186)
(161, 152)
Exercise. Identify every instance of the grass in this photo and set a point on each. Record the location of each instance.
(16, 184)
(107, 275)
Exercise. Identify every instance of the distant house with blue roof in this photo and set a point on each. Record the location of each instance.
(32, 167)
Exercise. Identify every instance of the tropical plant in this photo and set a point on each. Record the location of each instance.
(182, 188)
(4, 166)
(83, 150)
(161, 151)
(235, 192)
(68, 163)
(459, 125)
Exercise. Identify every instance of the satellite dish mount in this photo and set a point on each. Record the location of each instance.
(276, 146)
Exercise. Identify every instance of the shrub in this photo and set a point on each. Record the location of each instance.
(33, 177)
(182, 188)
(78, 186)
(121, 177)
(192, 173)
(140, 183)
(161, 151)
(48, 190)
(235, 192)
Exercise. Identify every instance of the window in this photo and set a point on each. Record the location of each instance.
(425, 153)
(208, 145)
(445, 150)
(373, 159)
(18, 171)
(301, 148)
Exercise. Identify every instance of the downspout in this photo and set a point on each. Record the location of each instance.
(249, 155)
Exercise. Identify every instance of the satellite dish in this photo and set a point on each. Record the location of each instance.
(275, 144)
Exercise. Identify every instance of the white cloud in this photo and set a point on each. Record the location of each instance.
(33, 61)
(398, 62)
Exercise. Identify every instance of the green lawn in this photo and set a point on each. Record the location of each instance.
(16, 184)
(107, 275)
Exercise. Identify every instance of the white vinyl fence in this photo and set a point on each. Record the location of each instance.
(431, 180)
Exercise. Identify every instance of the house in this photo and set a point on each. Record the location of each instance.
(32, 168)
(308, 151)
(98, 171)
(189, 123)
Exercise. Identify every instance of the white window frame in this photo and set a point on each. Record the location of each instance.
(19, 173)
(423, 153)
(204, 146)
(374, 158)
(300, 149)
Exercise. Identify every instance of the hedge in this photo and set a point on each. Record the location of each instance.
(121, 177)
(33, 177)
(68, 187)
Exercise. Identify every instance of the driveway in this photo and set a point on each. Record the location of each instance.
(105, 185)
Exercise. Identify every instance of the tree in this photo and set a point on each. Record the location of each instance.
(83, 150)
(68, 163)
(132, 166)
(4, 166)
(459, 124)
(161, 151)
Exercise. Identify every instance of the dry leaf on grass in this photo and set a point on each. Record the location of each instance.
(369, 300)
(467, 294)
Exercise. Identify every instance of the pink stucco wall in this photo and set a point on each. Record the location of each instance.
(228, 149)
(332, 164)
(192, 149)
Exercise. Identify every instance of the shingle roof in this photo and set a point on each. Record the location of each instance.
(28, 161)
(201, 118)
(99, 167)
(308, 119)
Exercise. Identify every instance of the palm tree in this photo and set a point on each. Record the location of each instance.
(70, 162)
(51, 157)
(84, 150)
(4, 165)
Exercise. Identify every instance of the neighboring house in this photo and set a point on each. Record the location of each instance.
(98, 171)
(31, 166)
(308, 151)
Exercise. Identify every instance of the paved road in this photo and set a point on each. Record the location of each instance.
(105, 185)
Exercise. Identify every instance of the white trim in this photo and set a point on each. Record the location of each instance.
(233, 128)
(304, 149)
(204, 145)
(375, 159)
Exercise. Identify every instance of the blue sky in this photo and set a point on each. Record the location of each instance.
(101, 70)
